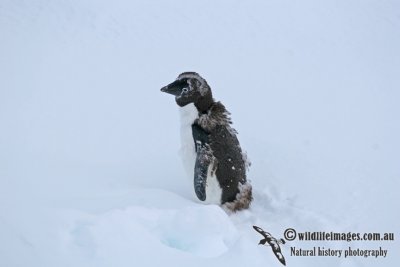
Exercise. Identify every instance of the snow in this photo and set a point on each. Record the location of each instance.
(89, 168)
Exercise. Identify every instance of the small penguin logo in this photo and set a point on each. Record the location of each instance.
(273, 242)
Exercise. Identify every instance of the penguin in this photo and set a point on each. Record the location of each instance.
(210, 148)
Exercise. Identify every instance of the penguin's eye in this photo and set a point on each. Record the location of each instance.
(185, 90)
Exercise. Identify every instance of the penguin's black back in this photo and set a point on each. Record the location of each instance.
(229, 164)
(230, 169)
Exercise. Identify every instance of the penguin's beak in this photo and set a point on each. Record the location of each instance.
(173, 88)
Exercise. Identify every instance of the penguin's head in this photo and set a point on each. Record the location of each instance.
(188, 88)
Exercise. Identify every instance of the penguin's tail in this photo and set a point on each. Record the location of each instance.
(243, 199)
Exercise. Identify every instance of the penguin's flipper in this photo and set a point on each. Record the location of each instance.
(200, 175)
(200, 136)
(203, 160)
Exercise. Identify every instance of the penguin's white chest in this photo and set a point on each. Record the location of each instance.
(189, 114)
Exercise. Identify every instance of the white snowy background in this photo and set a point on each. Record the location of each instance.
(89, 167)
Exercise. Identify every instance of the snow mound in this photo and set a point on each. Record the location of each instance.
(204, 231)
